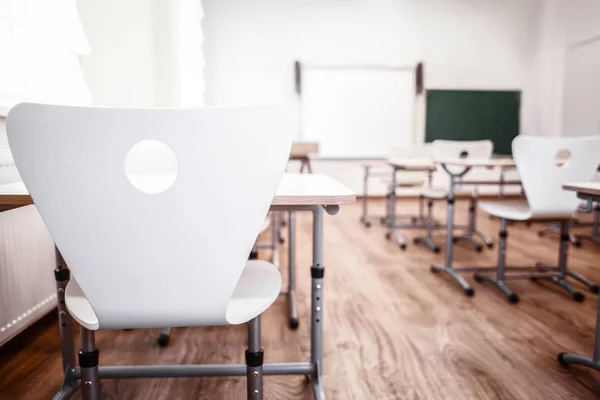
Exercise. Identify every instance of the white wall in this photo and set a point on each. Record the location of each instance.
(136, 55)
(120, 70)
(250, 46)
(581, 94)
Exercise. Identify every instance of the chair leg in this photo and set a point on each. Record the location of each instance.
(561, 269)
(88, 362)
(498, 280)
(427, 240)
(254, 361)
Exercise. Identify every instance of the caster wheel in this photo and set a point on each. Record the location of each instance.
(541, 234)
(578, 297)
(489, 245)
(436, 250)
(513, 298)
(561, 360)
(368, 224)
(594, 288)
(528, 224)
(415, 241)
(403, 246)
(454, 240)
(477, 278)
(294, 324)
(163, 340)
(479, 248)
(577, 244)
(281, 240)
(469, 292)
(388, 236)
(433, 269)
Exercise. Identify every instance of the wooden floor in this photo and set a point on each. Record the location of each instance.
(393, 330)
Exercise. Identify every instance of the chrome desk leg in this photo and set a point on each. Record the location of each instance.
(254, 361)
(317, 275)
(365, 213)
(566, 359)
(428, 238)
(499, 279)
(391, 220)
(447, 267)
(88, 361)
(472, 229)
(291, 295)
(67, 346)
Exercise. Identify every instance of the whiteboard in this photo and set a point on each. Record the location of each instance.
(357, 112)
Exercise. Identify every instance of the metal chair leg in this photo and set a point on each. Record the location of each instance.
(561, 269)
(165, 337)
(498, 280)
(88, 361)
(254, 361)
(428, 238)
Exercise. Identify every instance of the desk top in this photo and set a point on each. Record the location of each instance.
(412, 164)
(482, 162)
(303, 149)
(294, 189)
(312, 189)
(591, 189)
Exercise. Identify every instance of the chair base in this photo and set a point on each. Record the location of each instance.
(567, 359)
(499, 283)
(427, 241)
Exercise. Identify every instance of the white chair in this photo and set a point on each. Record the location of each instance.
(542, 176)
(438, 190)
(127, 236)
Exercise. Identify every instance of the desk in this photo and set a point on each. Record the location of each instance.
(408, 165)
(296, 192)
(456, 169)
(301, 151)
(589, 191)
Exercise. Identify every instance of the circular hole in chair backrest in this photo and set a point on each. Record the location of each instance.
(464, 154)
(562, 157)
(151, 166)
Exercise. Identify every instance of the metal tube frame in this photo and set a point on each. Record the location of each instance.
(566, 359)
(90, 377)
(312, 369)
(447, 267)
(391, 216)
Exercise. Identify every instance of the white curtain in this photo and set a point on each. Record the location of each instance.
(190, 38)
(40, 45)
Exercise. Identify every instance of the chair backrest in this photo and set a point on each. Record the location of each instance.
(454, 149)
(154, 258)
(542, 179)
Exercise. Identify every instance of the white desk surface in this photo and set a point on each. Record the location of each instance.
(482, 162)
(312, 189)
(584, 188)
(412, 164)
(294, 189)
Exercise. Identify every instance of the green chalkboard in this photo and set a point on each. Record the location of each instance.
(474, 115)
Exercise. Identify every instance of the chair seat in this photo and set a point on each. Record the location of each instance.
(520, 211)
(436, 193)
(256, 290)
(258, 287)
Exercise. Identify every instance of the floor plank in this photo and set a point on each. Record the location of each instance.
(393, 330)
